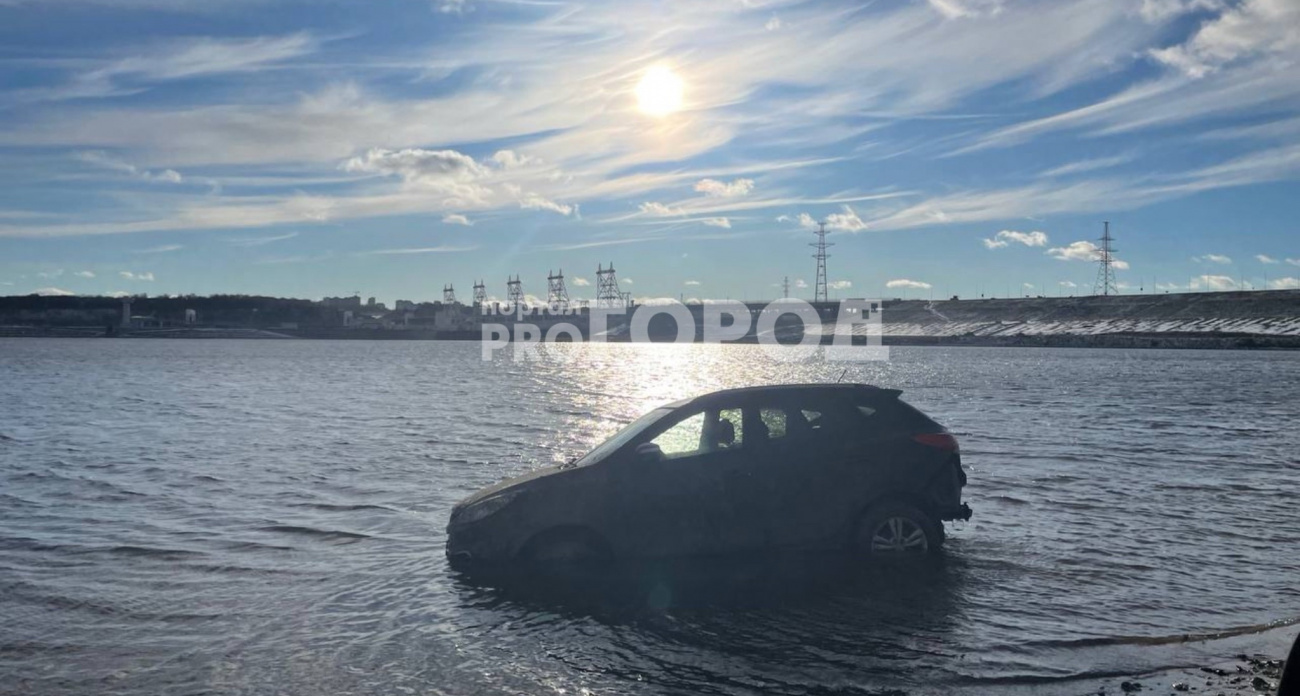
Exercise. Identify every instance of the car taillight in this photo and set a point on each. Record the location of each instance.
(943, 441)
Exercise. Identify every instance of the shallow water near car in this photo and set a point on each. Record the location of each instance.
(231, 516)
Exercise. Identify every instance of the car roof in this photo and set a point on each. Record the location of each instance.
(787, 389)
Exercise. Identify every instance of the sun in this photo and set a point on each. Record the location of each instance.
(659, 92)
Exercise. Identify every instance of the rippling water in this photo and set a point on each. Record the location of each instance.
(268, 517)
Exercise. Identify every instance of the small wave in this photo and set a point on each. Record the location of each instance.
(255, 546)
(341, 508)
(337, 534)
(1106, 641)
(231, 569)
(152, 552)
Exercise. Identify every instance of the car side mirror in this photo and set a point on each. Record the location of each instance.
(649, 452)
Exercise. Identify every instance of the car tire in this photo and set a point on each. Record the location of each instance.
(567, 545)
(895, 530)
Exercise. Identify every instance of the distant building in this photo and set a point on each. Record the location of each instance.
(405, 306)
(345, 303)
(453, 318)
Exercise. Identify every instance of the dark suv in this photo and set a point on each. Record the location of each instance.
(810, 466)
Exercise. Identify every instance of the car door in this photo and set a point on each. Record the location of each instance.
(683, 502)
(816, 475)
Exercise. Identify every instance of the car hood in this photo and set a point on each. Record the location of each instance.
(521, 481)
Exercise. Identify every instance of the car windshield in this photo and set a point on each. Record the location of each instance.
(623, 436)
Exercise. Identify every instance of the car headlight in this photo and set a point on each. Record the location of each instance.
(486, 507)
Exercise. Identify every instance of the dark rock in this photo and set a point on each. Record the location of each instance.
(1182, 687)
(1130, 687)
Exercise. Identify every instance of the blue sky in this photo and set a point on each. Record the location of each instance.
(962, 147)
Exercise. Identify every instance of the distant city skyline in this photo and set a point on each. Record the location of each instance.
(953, 147)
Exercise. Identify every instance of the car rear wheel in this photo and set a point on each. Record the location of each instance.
(896, 530)
(566, 546)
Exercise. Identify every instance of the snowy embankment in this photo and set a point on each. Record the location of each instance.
(1271, 313)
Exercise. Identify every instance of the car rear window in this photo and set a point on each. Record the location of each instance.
(883, 416)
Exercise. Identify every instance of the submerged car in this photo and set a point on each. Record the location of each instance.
(811, 466)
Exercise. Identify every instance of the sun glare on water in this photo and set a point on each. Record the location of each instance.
(660, 92)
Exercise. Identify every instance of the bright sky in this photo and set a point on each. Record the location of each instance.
(967, 147)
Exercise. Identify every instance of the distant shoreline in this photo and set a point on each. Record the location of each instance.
(1259, 320)
(1169, 340)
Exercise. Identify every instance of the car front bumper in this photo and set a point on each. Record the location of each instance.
(960, 512)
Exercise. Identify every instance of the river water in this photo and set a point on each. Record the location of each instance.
(268, 517)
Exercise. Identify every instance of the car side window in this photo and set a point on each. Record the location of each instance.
(730, 429)
(776, 422)
(829, 420)
(812, 419)
(683, 439)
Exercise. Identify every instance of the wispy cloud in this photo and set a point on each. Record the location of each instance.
(162, 249)
(657, 209)
(957, 9)
(1213, 258)
(106, 161)
(146, 276)
(260, 241)
(179, 59)
(905, 283)
(1088, 165)
(445, 249)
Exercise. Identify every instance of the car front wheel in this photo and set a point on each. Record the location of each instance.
(897, 529)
